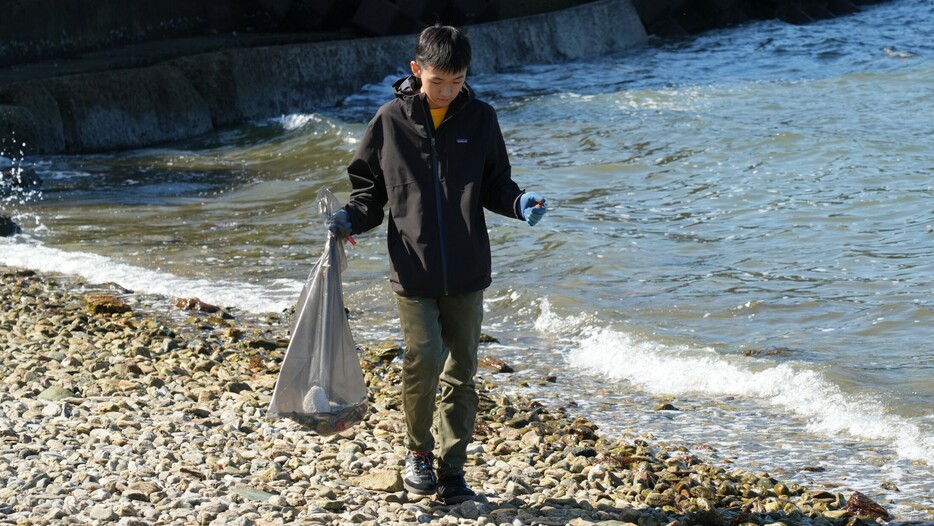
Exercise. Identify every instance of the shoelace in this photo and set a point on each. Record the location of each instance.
(422, 463)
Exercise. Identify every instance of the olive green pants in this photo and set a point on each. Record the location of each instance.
(441, 339)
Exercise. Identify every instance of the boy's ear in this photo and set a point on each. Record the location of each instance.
(416, 69)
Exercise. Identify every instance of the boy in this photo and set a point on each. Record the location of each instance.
(436, 156)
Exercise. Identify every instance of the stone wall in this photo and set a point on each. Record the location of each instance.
(46, 29)
(32, 30)
(192, 95)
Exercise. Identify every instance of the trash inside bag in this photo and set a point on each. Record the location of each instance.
(320, 384)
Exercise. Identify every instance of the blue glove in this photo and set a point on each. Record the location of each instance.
(533, 208)
(339, 224)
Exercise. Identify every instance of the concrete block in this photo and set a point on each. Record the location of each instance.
(650, 11)
(724, 5)
(842, 7)
(40, 125)
(189, 96)
(517, 8)
(319, 15)
(212, 76)
(277, 80)
(463, 12)
(793, 15)
(819, 12)
(222, 16)
(425, 11)
(382, 17)
(18, 130)
(599, 27)
(278, 8)
(128, 108)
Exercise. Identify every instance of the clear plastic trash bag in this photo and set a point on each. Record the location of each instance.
(320, 384)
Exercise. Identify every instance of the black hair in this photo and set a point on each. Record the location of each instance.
(443, 47)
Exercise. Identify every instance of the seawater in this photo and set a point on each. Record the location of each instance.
(740, 224)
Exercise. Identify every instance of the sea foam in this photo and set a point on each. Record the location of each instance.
(798, 388)
(101, 269)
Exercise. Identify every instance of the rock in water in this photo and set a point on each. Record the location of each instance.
(862, 506)
(495, 364)
(105, 304)
(486, 338)
(196, 304)
(8, 227)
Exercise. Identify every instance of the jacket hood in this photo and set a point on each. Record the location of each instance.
(408, 89)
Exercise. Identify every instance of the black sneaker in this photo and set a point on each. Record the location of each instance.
(453, 489)
(420, 473)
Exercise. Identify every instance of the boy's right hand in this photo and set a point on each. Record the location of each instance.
(339, 224)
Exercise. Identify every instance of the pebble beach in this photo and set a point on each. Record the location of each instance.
(131, 409)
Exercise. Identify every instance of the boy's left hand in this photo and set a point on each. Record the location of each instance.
(533, 207)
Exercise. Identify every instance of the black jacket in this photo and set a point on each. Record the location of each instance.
(437, 183)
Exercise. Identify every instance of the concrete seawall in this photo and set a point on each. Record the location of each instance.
(186, 97)
(180, 88)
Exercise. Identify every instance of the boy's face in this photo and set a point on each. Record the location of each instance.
(439, 86)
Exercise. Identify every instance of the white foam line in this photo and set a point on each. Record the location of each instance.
(803, 392)
(102, 269)
(668, 370)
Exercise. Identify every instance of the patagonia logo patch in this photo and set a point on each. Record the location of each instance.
(461, 140)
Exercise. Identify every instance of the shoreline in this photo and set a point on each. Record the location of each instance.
(155, 415)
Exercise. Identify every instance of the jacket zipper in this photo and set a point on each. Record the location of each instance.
(436, 171)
